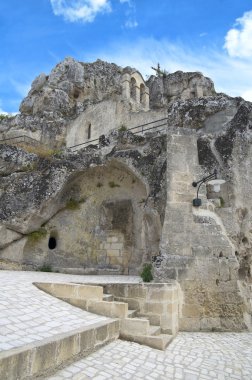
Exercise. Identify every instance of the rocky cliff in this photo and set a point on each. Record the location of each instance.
(127, 200)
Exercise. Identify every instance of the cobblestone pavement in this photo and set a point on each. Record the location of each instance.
(191, 356)
(27, 314)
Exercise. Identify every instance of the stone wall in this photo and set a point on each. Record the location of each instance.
(106, 116)
(195, 247)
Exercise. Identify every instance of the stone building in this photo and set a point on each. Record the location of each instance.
(124, 197)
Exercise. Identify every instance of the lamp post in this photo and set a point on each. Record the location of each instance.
(212, 179)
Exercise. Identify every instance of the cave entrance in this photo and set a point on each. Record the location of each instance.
(117, 222)
(52, 242)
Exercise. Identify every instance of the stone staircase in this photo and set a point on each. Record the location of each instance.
(148, 313)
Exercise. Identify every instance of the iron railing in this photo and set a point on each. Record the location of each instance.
(138, 129)
(20, 140)
(23, 139)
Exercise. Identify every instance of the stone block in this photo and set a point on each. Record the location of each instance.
(154, 307)
(210, 324)
(189, 324)
(116, 246)
(135, 326)
(90, 292)
(164, 295)
(109, 309)
(112, 239)
(44, 358)
(67, 348)
(155, 319)
(172, 308)
(113, 253)
(101, 334)
(16, 365)
(192, 310)
(113, 330)
(87, 340)
(169, 324)
(115, 260)
(137, 291)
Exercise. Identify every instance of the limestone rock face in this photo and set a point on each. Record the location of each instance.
(167, 88)
(69, 85)
(127, 200)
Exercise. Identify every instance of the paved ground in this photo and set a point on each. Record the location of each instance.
(27, 314)
(191, 356)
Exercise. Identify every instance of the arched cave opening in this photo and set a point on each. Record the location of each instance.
(52, 242)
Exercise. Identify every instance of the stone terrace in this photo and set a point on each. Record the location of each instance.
(29, 315)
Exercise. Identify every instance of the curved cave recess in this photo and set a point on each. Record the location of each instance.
(52, 242)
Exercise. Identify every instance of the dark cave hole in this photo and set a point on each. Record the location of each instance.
(52, 243)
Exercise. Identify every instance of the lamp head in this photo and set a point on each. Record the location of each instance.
(216, 183)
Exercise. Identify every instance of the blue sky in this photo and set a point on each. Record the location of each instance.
(211, 36)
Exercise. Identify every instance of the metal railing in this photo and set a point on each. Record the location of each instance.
(23, 139)
(20, 140)
(138, 129)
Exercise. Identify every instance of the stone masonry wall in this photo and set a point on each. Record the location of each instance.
(195, 247)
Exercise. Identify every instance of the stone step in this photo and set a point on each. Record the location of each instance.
(108, 297)
(154, 319)
(154, 330)
(159, 342)
(46, 356)
(108, 308)
(65, 290)
(132, 302)
(134, 326)
(131, 313)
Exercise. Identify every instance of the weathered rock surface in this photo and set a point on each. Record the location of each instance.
(167, 88)
(128, 200)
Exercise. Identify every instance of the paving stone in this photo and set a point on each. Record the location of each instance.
(211, 352)
(29, 315)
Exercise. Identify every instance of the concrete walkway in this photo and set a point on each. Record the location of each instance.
(29, 315)
(191, 356)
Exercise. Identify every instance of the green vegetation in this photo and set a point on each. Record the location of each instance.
(35, 236)
(45, 268)
(4, 117)
(29, 167)
(72, 204)
(122, 128)
(146, 273)
(40, 150)
(112, 184)
(222, 202)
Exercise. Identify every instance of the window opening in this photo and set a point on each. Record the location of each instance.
(89, 131)
(52, 243)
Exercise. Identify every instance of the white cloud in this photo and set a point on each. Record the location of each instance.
(238, 39)
(2, 112)
(230, 75)
(80, 10)
(131, 21)
(247, 95)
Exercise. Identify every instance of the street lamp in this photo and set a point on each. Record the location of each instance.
(212, 180)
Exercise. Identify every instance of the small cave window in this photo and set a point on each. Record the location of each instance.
(142, 92)
(133, 88)
(52, 243)
(89, 131)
